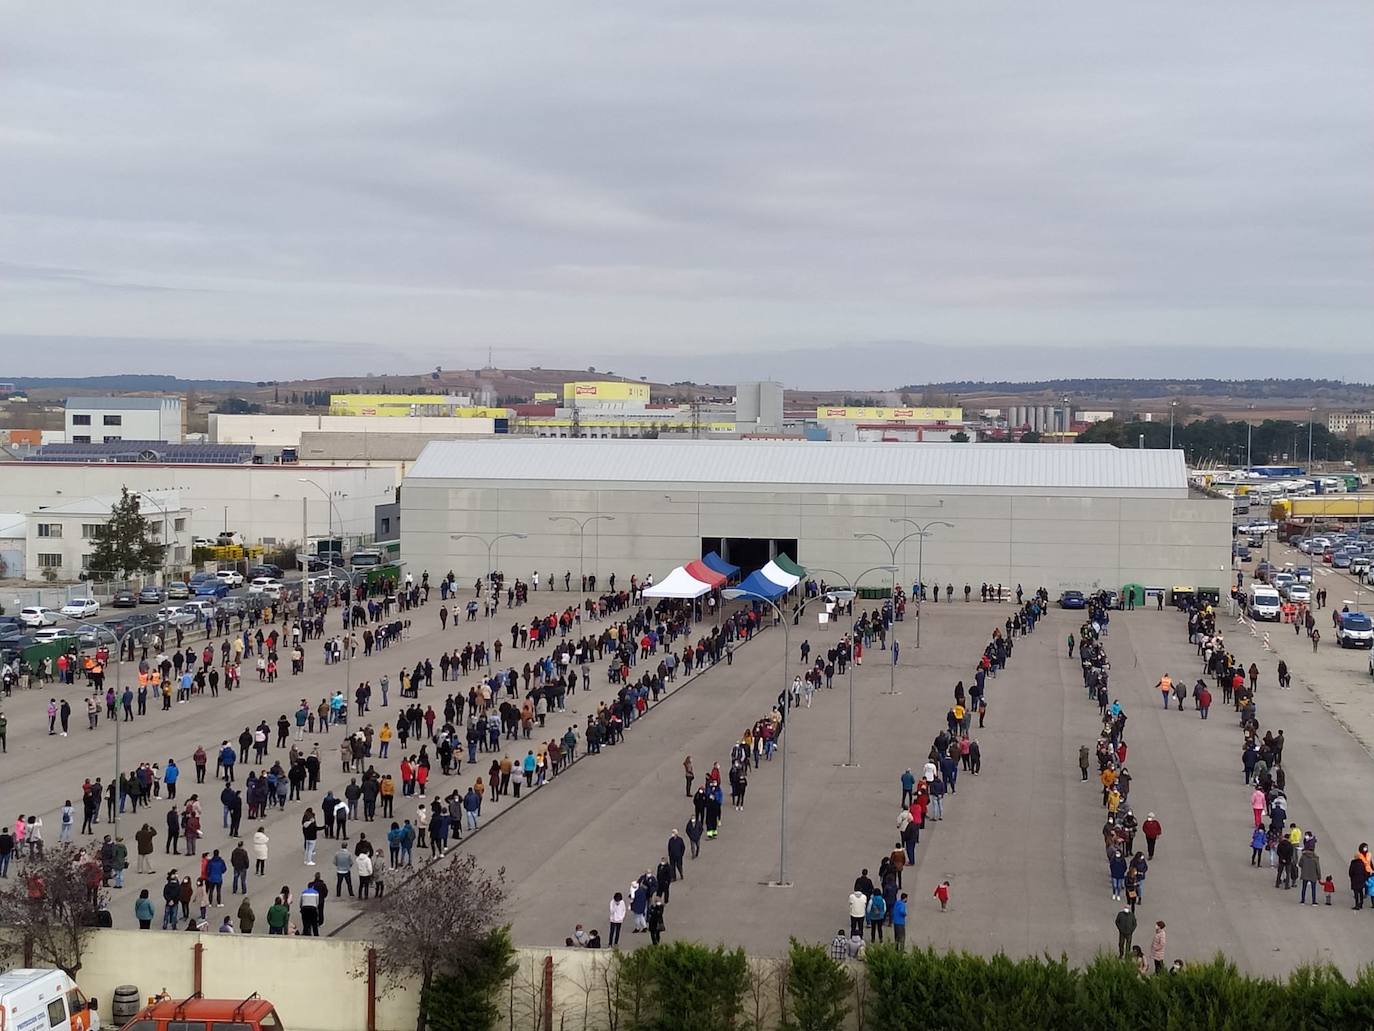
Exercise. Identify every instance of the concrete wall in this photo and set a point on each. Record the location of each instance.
(1036, 540)
(258, 501)
(311, 984)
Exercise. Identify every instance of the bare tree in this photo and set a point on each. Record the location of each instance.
(54, 904)
(433, 924)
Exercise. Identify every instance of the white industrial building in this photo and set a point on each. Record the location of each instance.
(263, 504)
(93, 420)
(60, 537)
(1062, 516)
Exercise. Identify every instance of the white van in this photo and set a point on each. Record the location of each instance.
(39, 1000)
(1263, 602)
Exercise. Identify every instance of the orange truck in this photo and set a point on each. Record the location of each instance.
(201, 1014)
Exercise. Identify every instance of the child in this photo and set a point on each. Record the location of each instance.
(1328, 888)
(942, 893)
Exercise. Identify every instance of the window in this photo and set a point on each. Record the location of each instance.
(57, 1012)
(386, 524)
(49, 560)
(50, 529)
(113, 420)
(111, 439)
(81, 420)
(86, 561)
(89, 531)
(179, 524)
(81, 438)
(185, 1025)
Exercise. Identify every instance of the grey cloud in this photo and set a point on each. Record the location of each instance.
(704, 180)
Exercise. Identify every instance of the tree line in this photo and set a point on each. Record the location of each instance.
(1223, 442)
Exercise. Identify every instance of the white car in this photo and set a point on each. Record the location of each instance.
(52, 633)
(178, 615)
(268, 585)
(81, 608)
(1299, 593)
(37, 615)
(202, 542)
(230, 576)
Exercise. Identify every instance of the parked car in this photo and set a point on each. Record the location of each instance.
(203, 542)
(1072, 600)
(268, 585)
(230, 576)
(212, 588)
(80, 608)
(124, 599)
(1299, 594)
(1304, 574)
(37, 615)
(151, 595)
(178, 615)
(1341, 560)
(199, 577)
(48, 634)
(265, 569)
(1242, 553)
(178, 589)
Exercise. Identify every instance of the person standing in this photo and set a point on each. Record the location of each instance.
(1310, 871)
(616, 918)
(899, 922)
(1361, 869)
(689, 773)
(1083, 761)
(1125, 930)
(1157, 946)
(1152, 829)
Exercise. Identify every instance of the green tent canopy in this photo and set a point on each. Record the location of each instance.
(787, 565)
(1133, 593)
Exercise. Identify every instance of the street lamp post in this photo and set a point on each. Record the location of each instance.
(921, 532)
(848, 595)
(1172, 406)
(1249, 438)
(490, 543)
(581, 537)
(333, 509)
(733, 593)
(166, 529)
(1311, 414)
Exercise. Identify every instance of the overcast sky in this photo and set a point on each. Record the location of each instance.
(832, 194)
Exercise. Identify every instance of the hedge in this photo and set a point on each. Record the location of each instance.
(938, 991)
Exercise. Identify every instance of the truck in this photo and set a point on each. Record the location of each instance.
(37, 999)
(197, 1013)
(1355, 630)
(1262, 602)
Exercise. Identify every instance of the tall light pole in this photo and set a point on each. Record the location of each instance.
(1172, 406)
(490, 543)
(332, 510)
(733, 593)
(920, 533)
(166, 529)
(581, 536)
(848, 595)
(1311, 414)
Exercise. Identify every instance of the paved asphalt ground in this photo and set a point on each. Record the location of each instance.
(1020, 844)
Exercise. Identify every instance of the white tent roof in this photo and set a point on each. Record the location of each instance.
(678, 584)
(779, 576)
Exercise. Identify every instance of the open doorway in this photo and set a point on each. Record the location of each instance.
(751, 553)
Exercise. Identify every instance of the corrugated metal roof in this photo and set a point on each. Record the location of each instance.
(777, 462)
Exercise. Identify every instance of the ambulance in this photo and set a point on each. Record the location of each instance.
(38, 1000)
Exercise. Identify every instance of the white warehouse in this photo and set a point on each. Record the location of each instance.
(1061, 516)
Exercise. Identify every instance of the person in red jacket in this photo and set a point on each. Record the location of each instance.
(1152, 830)
(1204, 702)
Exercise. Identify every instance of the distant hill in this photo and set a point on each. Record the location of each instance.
(124, 383)
(1258, 389)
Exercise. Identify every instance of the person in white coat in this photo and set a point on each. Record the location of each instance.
(618, 911)
(260, 840)
(362, 866)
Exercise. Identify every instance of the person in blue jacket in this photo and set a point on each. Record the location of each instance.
(214, 878)
(169, 776)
